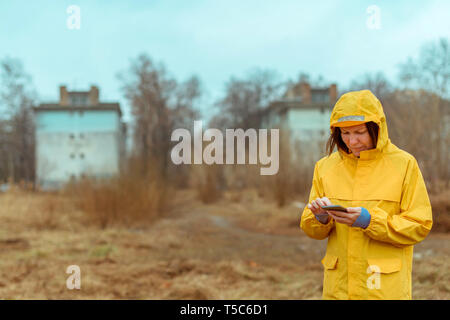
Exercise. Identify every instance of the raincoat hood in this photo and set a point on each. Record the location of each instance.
(358, 107)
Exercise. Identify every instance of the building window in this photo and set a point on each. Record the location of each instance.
(78, 99)
(320, 96)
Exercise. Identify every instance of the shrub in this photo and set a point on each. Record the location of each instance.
(128, 199)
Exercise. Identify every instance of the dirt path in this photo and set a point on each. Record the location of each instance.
(226, 238)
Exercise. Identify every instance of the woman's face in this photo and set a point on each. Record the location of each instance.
(357, 138)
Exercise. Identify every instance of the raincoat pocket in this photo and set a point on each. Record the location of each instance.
(386, 280)
(384, 265)
(330, 277)
(329, 262)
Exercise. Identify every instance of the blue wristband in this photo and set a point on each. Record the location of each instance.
(363, 219)
(322, 218)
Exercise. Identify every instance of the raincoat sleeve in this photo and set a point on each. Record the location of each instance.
(412, 224)
(312, 227)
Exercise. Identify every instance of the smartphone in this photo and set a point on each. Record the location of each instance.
(335, 208)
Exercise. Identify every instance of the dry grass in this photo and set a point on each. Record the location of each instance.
(125, 200)
(243, 246)
(440, 203)
(208, 182)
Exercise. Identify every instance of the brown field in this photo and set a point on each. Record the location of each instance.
(241, 247)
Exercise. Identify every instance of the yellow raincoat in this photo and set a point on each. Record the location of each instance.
(376, 262)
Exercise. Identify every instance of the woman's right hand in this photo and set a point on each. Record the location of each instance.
(315, 205)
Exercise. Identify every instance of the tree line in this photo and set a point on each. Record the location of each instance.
(417, 109)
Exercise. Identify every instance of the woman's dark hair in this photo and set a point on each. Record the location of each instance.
(335, 138)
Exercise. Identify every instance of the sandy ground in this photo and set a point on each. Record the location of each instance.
(241, 247)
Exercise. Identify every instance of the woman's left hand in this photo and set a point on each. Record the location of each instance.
(348, 217)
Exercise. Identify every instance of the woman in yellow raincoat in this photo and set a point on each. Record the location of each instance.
(370, 247)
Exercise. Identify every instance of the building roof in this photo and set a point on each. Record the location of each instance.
(57, 107)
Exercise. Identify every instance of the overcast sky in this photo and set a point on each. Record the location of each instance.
(214, 39)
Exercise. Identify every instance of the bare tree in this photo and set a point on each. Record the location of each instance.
(17, 99)
(414, 128)
(159, 104)
(375, 82)
(184, 104)
(314, 81)
(431, 72)
(244, 98)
